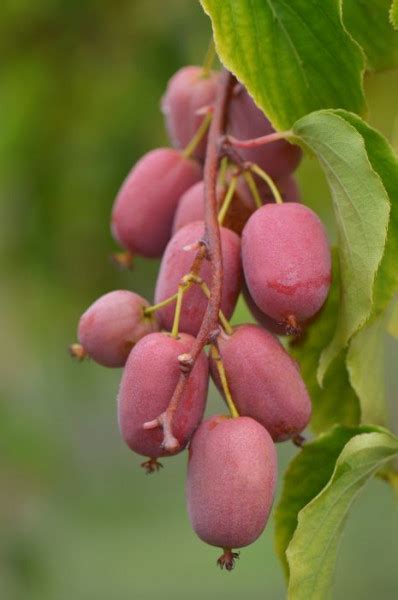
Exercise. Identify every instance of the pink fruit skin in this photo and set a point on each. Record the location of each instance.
(112, 325)
(177, 262)
(148, 382)
(286, 261)
(190, 207)
(232, 473)
(265, 382)
(247, 121)
(260, 317)
(143, 212)
(187, 92)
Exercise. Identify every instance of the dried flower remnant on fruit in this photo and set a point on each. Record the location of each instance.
(227, 559)
(152, 465)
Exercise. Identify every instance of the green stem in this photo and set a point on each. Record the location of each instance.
(223, 320)
(151, 309)
(199, 135)
(224, 382)
(251, 184)
(228, 199)
(222, 171)
(209, 58)
(265, 177)
(177, 312)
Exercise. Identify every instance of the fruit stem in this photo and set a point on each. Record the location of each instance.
(223, 319)
(263, 175)
(224, 382)
(251, 184)
(177, 313)
(198, 136)
(209, 59)
(259, 141)
(228, 199)
(151, 309)
(211, 248)
(223, 170)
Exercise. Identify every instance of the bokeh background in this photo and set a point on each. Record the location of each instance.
(80, 84)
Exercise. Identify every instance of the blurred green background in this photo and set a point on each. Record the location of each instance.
(80, 84)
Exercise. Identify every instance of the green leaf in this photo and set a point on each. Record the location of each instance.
(312, 550)
(392, 326)
(336, 401)
(368, 22)
(385, 163)
(365, 355)
(294, 57)
(365, 364)
(394, 14)
(361, 207)
(306, 476)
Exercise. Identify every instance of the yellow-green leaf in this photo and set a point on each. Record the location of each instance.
(361, 207)
(334, 402)
(394, 14)
(369, 24)
(312, 551)
(294, 57)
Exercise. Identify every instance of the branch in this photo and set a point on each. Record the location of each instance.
(209, 327)
(229, 140)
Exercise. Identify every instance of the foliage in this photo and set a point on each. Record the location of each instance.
(288, 56)
(312, 511)
(381, 46)
(276, 48)
(77, 108)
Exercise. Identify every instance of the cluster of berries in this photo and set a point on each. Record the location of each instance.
(274, 250)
